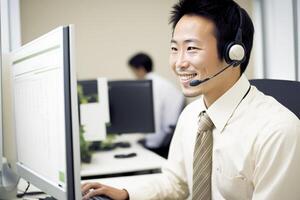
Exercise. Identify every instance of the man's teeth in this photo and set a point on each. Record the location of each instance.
(186, 77)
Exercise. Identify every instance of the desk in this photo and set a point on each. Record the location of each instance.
(117, 182)
(123, 182)
(104, 164)
(21, 188)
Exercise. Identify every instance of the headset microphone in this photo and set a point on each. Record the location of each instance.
(198, 82)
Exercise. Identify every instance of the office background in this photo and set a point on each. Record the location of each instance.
(108, 32)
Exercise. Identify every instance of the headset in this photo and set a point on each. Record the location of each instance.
(234, 53)
(235, 50)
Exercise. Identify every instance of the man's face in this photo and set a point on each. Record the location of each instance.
(139, 73)
(194, 54)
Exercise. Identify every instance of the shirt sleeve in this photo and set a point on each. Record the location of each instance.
(171, 183)
(277, 164)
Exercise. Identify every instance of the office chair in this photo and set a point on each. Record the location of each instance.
(286, 92)
(163, 150)
(165, 146)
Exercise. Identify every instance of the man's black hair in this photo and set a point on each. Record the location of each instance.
(225, 16)
(141, 60)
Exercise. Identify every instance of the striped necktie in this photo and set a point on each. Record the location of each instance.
(202, 164)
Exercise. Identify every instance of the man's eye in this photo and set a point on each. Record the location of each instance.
(173, 49)
(192, 48)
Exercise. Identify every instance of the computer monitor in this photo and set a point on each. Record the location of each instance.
(89, 89)
(8, 179)
(45, 111)
(131, 106)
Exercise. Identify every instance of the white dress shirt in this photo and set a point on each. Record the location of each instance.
(256, 150)
(168, 104)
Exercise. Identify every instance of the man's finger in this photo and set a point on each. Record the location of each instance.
(89, 186)
(92, 193)
(84, 184)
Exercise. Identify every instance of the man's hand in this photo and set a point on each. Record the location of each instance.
(93, 189)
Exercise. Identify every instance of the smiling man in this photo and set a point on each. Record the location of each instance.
(194, 55)
(234, 142)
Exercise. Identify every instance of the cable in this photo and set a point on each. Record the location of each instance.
(26, 193)
(23, 194)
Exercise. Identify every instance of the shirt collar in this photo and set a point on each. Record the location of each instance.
(149, 75)
(222, 109)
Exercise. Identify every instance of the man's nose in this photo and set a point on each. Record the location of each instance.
(182, 61)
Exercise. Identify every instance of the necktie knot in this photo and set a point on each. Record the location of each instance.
(205, 122)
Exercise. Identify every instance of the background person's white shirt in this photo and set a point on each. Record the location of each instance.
(256, 151)
(168, 103)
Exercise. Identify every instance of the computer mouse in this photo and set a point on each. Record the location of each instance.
(129, 155)
(123, 144)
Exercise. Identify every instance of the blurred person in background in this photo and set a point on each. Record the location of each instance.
(168, 104)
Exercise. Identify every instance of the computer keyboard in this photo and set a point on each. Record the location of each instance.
(123, 144)
(101, 197)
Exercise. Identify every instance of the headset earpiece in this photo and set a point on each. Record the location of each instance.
(235, 50)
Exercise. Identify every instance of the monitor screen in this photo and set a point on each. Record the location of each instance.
(131, 106)
(89, 89)
(45, 111)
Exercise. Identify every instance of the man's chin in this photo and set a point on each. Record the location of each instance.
(189, 92)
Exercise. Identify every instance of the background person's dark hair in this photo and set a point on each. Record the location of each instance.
(141, 60)
(225, 15)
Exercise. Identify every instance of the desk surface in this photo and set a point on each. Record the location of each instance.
(104, 163)
(123, 182)
(117, 182)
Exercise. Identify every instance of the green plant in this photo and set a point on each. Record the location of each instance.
(108, 142)
(85, 154)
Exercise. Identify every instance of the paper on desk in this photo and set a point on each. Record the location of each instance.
(94, 121)
(103, 98)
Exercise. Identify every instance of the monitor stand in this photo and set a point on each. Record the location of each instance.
(8, 182)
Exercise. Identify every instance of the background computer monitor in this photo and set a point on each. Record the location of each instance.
(89, 89)
(46, 118)
(131, 106)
